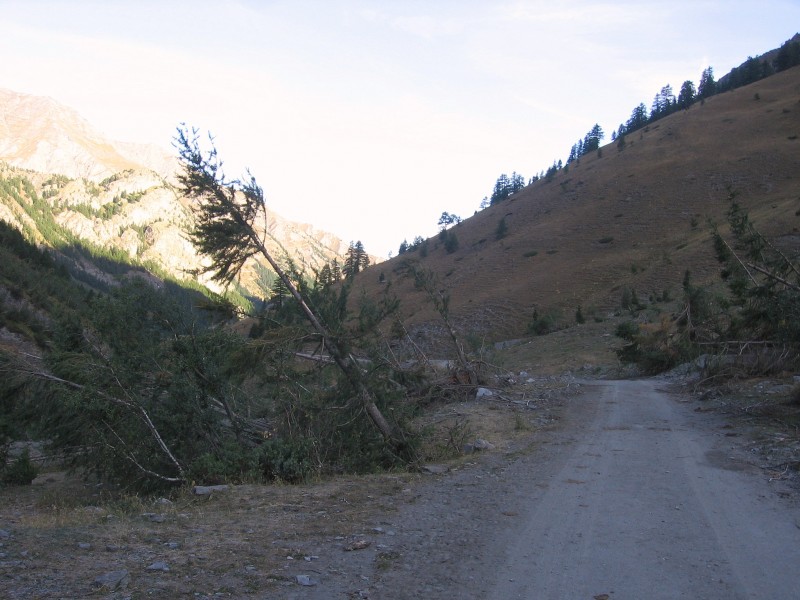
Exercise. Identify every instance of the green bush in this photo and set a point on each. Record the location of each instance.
(230, 464)
(21, 471)
(451, 242)
(542, 324)
(502, 229)
(627, 330)
(630, 300)
(284, 460)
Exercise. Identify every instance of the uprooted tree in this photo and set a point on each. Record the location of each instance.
(226, 230)
(754, 327)
(764, 281)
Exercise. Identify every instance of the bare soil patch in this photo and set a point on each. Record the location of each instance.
(764, 413)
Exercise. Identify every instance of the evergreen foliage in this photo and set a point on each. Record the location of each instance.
(788, 55)
(501, 230)
(505, 186)
(638, 119)
(589, 143)
(664, 103)
(749, 72)
(764, 281)
(450, 241)
(687, 95)
(21, 470)
(226, 232)
(448, 219)
(356, 260)
(708, 85)
(418, 244)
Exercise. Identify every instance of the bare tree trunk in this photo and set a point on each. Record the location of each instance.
(441, 302)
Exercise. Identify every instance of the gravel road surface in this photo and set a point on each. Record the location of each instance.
(634, 496)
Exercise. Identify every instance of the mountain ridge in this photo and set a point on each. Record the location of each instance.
(41, 134)
(124, 196)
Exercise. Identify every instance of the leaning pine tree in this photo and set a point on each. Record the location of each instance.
(225, 231)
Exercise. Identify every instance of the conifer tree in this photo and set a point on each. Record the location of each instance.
(686, 95)
(638, 118)
(225, 231)
(707, 86)
(356, 260)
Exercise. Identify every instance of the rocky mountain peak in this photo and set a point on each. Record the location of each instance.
(40, 134)
(119, 196)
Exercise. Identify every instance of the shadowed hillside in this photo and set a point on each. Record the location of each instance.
(633, 216)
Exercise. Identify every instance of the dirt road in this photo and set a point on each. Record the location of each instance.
(604, 491)
(636, 496)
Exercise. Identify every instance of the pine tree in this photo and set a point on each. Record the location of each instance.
(686, 95)
(662, 103)
(573, 153)
(502, 229)
(501, 189)
(356, 260)
(788, 55)
(591, 140)
(517, 183)
(225, 231)
(448, 219)
(638, 118)
(707, 86)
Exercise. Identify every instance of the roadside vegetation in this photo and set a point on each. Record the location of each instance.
(749, 325)
(148, 386)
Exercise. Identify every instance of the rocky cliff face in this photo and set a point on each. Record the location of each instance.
(42, 135)
(118, 196)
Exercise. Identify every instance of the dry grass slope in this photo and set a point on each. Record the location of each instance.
(634, 217)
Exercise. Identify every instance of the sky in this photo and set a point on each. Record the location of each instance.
(370, 119)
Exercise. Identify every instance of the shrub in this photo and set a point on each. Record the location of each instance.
(231, 464)
(627, 330)
(630, 300)
(451, 242)
(502, 229)
(286, 460)
(20, 472)
(794, 395)
(544, 323)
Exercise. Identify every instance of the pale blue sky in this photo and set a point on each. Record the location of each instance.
(370, 118)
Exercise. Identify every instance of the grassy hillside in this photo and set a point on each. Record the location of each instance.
(633, 216)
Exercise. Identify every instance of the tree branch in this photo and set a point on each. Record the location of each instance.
(774, 277)
(133, 405)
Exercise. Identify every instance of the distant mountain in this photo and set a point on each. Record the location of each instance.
(39, 134)
(61, 178)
